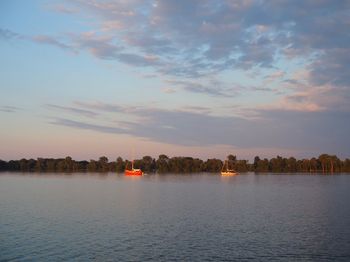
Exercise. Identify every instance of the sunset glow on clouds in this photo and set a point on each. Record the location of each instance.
(200, 78)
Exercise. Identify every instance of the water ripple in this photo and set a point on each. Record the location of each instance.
(250, 218)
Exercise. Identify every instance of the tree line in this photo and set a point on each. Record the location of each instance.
(324, 164)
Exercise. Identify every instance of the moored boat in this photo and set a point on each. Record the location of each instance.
(133, 171)
(225, 171)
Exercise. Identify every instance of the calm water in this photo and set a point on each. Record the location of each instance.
(55, 217)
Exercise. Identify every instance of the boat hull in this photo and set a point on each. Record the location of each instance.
(133, 173)
(228, 173)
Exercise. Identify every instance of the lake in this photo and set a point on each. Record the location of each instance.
(200, 217)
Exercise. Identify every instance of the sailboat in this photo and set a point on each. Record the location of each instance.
(133, 171)
(225, 171)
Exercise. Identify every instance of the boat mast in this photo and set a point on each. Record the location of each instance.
(224, 165)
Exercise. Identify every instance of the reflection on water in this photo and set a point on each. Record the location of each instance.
(174, 217)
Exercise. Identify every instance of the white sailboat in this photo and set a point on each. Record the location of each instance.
(225, 171)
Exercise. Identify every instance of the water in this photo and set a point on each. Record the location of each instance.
(55, 217)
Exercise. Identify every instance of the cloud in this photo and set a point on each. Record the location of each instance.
(275, 76)
(8, 34)
(193, 42)
(86, 126)
(189, 38)
(212, 88)
(332, 68)
(173, 127)
(305, 92)
(9, 109)
(325, 98)
(60, 8)
(197, 109)
(100, 106)
(44, 39)
(198, 88)
(100, 46)
(221, 33)
(151, 44)
(39, 39)
(73, 110)
(192, 39)
(137, 60)
(321, 131)
(168, 90)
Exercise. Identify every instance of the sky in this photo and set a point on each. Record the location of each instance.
(194, 78)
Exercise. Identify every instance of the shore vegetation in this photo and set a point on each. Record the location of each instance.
(182, 165)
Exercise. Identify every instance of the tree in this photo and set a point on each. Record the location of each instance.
(324, 158)
(3, 165)
(120, 166)
(256, 162)
(277, 164)
(39, 167)
(305, 165)
(147, 164)
(334, 163)
(291, 165)
(346, 165)
(92, 166)
(162, 164)
(68, 164)
(263, 166)
(50, 165)
(103, 164)
(212, 165)
(81, 166)
(175, 165)
(313, 165)
(23, 165)
(232, 161)
(241, 165)
(231, 158)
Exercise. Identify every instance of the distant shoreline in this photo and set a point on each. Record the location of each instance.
(181, 165)
(169, 173)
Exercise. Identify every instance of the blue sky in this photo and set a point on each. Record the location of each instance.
(199, 78)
